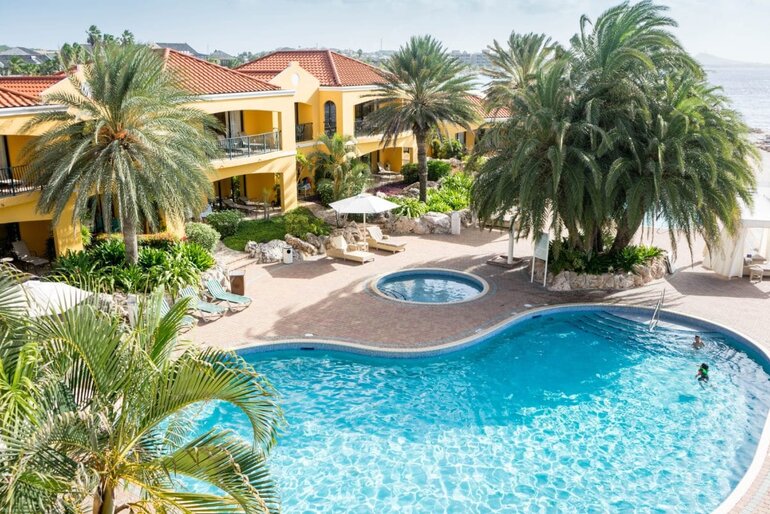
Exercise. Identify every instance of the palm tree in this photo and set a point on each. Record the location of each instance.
(424, 89)
(114, 414)
(129, 137)
(600, 138)
(335, 158)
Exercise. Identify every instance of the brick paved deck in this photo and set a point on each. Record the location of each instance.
(330, 300)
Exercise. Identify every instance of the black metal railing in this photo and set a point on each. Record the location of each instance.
(304, 132)
(15, 180)
(330, 128)
(362, 128)
(245, 146)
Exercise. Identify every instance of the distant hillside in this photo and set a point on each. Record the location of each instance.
(713, 60)
(4, 47)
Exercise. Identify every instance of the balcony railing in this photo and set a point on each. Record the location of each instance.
(246, 146)
(304, 132)
(362, 128)
(15, 180)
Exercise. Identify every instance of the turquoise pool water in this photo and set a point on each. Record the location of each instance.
(570, 412)
(430, 286)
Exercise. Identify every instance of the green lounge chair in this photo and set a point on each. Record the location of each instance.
(234, 301)
(205, 310)
(188, 322)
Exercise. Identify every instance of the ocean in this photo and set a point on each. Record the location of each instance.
(748, 87)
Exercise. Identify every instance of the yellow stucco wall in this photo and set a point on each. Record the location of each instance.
(16, 144)
(258, 122)
(258, 185)
(36, 235)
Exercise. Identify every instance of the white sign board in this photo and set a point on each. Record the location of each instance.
(541, 252)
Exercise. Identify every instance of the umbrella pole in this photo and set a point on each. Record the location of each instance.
(364, 234)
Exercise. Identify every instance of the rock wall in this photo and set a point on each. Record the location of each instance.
(574, 281)
(429, 223)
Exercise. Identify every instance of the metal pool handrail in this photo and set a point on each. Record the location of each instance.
(655, 319)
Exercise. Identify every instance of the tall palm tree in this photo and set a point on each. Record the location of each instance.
(113, 422)
(129, 137)
(424, 89)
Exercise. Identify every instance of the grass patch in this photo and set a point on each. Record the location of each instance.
(300, 222)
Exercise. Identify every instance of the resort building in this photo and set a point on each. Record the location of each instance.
(333, 93)
(468, 138)
(257, 162)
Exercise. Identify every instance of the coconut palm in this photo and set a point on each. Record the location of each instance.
(424, 89)
(113, 423)
(128, 137)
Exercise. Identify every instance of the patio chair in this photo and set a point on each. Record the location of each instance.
(205, 310)
(25, 256)
(340, 249)
(232, 205)
(188, 322)
(756, 272)
(376, 239)
(235, 302)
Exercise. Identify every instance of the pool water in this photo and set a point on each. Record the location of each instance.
(430, 286)
(571, 412)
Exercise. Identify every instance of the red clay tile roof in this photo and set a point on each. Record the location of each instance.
(205, 78)
(9, 98)
(28, 85)
(499, 113)
(330, 68)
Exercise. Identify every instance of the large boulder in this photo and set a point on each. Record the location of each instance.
(272, 251)
(300, 246)
(437, 223)
(318, 242)
(421, 227)
(402, 225)
(219, 273)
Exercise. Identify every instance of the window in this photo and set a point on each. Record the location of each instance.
(4, 158)
(330, 118)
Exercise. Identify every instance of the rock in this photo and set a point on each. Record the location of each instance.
(414, 189)
(314, 240)
(271, 251)
(467, 219)
(300, 246)
(219, 273)
(421, 227)
(437, 222)
(560, 282)
(643, 272)
(403, 225)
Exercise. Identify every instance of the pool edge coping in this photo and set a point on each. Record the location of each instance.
(478, 337)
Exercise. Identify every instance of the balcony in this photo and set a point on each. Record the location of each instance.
(304, 132)
(247, 146)
(15, 180)
(362, 128)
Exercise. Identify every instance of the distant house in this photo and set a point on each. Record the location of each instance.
(27, 55)
(222, 58)
(182, 48)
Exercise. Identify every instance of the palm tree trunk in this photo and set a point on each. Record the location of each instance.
(422, 165)
(104, 499)
(623, 235)
(129, 237)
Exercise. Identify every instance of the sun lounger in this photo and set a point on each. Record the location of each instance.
(340, 249)
(188, 322)
(25, 256)
(232, 205)
(205, 310)
(234, 301)
(378, 240)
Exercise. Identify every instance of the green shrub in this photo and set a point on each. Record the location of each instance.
(410, 172)
(325, 190)
(150, 257)
(299, 222)
(562, 258)
(225, 222)
(473, 163)
(111, 252)
(162, 240)
(197, 255)
(438, 170)
(202, 234)
(85, 235)
(408, 207)
(449, 148)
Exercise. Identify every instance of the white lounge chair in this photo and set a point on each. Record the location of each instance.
(376, 239)
(340, 249)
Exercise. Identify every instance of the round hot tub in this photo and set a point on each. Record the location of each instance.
(430, 286)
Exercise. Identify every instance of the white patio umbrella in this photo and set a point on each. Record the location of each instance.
(48, 298)
(364, 203)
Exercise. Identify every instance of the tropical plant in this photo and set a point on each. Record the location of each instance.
(335, 158)
(101, 416)
(424, 89)
(202, 234)
(325, 190)
(436, 171)
(225, 222)
(408, 207)
(129, 136)
(618, 129)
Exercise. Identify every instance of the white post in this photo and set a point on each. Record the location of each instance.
(532, 275)
(545, 271)
(510, 245)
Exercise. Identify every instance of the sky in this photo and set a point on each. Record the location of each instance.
(733, 29)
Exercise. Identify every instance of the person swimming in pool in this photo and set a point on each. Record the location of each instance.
(698, 343)
(703, 373)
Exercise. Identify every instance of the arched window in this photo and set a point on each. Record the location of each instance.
(330, 118)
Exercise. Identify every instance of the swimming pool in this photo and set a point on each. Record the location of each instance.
(430, 285)
(571, 412)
